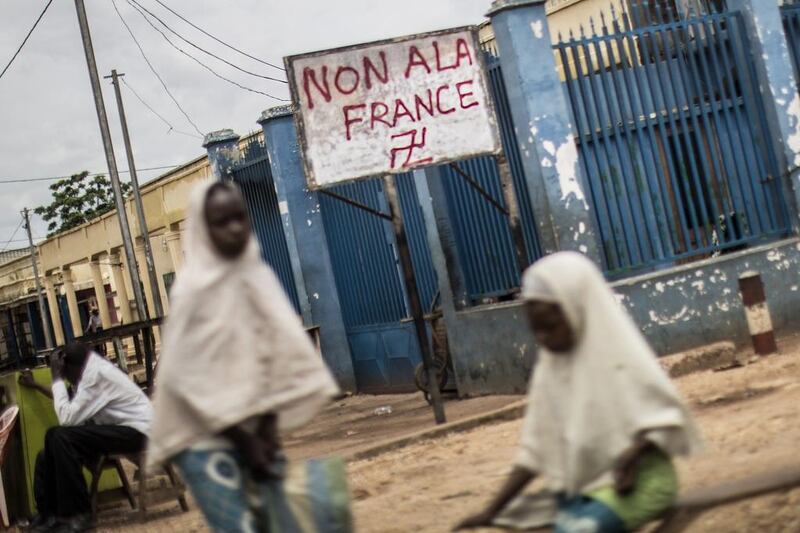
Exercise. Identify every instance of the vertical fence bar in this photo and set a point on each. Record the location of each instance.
(612, 141)
(703, 173)
(632, 85)
(748, 84)
(683, 137)
(594, 105)
(647, 88)
(630, 125)
(721, 116)
(733, 115)
(661, 87)
(611, 144)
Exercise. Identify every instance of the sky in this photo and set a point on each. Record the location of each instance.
(48, 124)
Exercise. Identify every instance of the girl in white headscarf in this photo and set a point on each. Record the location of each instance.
(603, 419)
(236, 365)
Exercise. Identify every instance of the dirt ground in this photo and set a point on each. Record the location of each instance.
(749, 417)
(343, 428)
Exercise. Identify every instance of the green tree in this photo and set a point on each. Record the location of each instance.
(76, 200)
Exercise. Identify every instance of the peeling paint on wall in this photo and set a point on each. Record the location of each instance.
(774, 256)
(538, 29)
(567, 166)
(664, 320)
(793, 141)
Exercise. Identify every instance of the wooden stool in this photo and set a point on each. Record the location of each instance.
(177, 490)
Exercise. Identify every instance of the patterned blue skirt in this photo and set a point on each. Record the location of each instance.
(312, 497)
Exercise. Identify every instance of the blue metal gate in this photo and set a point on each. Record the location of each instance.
(253, 175)
(791, 25)
(672, 136)
(482, 233)
(371, 292)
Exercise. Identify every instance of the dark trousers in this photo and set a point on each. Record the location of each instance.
(58, 484)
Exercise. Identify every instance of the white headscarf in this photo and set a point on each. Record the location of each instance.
(587, 406)
(233, 347)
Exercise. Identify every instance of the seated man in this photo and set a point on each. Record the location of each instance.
(107, 413)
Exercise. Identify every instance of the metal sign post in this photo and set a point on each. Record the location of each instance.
(390, 188)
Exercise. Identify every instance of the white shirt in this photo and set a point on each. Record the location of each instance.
(105, 395)
(95, 322)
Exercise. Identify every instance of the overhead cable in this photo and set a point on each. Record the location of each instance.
(10, 239)
(156, 113)
(56, 178)
(190, 56)
(220, 41)
(153, 69)
(134, 3)
(25, 40)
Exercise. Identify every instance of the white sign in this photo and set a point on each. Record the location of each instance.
(391, 106)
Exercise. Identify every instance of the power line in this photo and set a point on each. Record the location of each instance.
(152, 68)
(220, 41)
(156, 113)
(190, 56)
(55, 178)
(5, 247)
(190, 43)
(24, 240)
(25, 40)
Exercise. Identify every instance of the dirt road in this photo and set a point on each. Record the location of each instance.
(750, 419)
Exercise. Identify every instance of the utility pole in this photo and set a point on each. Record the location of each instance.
(48, 339)
(102, 119)
(137, 197)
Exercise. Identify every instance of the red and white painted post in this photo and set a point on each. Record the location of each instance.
(755, 309)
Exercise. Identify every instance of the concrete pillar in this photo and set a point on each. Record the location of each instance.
(125, 315)
(173, 238)
(55, 315)
(223, 151)
(307, 243)
(100, 293)
(773, 64)
(544, 133)
(72, 302)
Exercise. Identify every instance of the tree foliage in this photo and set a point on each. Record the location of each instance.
(76, 200)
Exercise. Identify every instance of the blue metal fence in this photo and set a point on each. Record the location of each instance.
(253, 175)
(672, 136)
(791, 24)
(482, 233)
(364, 255)
(369, 282)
